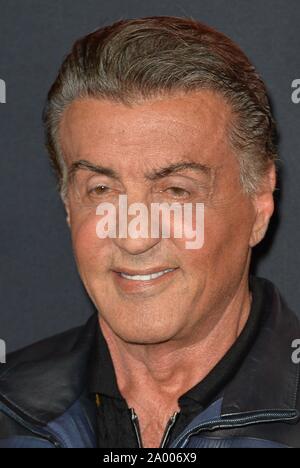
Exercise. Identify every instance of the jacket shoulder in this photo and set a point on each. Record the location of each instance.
(41, 380)
(59, 343)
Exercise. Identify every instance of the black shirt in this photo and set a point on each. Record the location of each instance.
(115, 427)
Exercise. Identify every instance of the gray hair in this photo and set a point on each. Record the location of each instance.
(139, 59)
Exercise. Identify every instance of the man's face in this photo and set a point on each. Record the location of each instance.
(135, 145)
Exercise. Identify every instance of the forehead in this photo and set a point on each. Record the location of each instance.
(181, 125)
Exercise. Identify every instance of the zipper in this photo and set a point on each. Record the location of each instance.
(136, 427)
(29, 427)
(169, 426)
(271, 416)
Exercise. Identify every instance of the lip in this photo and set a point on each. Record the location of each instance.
(147, 271)
(136, 286)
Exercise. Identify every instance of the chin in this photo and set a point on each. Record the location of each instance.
(144, 339)
(150, 333)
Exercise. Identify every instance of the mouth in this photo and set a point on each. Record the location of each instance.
(131, 281)
(146, 277)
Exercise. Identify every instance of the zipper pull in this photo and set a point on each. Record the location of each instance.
(136, 426)
(169, 426)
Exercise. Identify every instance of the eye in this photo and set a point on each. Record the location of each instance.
(98, 190)
(177, 191)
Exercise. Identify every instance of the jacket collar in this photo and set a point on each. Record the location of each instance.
(267, 379)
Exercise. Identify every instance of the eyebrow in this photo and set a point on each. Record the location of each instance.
(86, 165)
(153, 175)
(178, 167)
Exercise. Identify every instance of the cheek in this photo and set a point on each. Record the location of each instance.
(226, 241)
(86, 245)
(227, 237)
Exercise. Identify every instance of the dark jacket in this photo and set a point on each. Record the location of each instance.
(43, 400)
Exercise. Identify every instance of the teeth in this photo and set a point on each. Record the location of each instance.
(146, 277)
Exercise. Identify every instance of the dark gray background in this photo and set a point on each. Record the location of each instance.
(41, 293)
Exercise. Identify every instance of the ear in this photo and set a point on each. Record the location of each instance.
(264, 206)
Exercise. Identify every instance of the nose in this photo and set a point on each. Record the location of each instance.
(135, 246)
(134, 225)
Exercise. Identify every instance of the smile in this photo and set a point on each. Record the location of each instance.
(148, 277)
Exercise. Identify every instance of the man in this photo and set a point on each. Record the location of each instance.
(186, 348)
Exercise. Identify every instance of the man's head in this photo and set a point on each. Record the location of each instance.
(162, 110)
